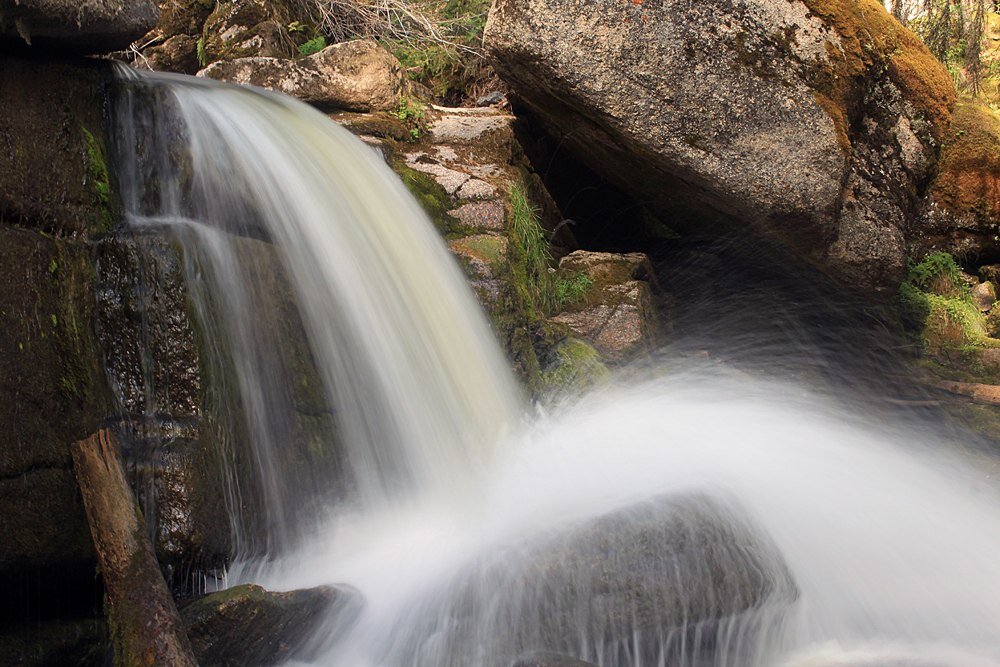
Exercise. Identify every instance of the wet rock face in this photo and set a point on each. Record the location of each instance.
(358, 76)
(155, 370)
(770, 113)
(638, 583)
(83, 26)
(53, 171)
(53, 394)
(247, 625)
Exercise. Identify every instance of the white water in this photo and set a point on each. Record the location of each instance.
(890, 541)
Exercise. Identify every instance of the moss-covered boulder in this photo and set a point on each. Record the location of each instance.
(85, 26)
(962, 211)
(247, 625)
(814, 121)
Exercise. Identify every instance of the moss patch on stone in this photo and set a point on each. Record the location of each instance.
(953, 335)
(871, 40)
(432, 198)
(968, 180)
(575, 366)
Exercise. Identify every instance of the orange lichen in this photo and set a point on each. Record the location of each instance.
(968, 180)
(871, 40)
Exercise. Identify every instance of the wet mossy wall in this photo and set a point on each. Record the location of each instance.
(57, 201)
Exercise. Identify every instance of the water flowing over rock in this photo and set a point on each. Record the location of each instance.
(816, 122)
(86, 26)
(247, 625)
(634, 585)
(359, 76)
(551, 660)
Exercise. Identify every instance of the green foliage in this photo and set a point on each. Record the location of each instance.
(200, 50)
(314, 45)
(411, 112)
(97, 171)
(570, 290)
(530, 256)
(937, 272)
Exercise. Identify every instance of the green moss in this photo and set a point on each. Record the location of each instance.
(433, 198)
(936, 307)
(968, 179)
(100, 180)
(484, 247)
(577, 366)
(872, 41)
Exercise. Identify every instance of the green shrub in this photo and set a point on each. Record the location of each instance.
(314, 45)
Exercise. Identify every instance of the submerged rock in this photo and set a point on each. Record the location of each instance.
(639, 584)
(813, 121)
(85, 26)
(359, 76)
(247, 625)
(551, 660)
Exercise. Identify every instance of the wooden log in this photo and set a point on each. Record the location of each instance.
(146, 629)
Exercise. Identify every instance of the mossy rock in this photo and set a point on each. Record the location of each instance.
(55, 393)
(573, 366)
(968, 180)
(872, 41)
(246, 28)
(247, 625)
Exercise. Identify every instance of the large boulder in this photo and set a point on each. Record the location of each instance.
(639, 584)
(357, 76)
(85, 26)
(815, 121)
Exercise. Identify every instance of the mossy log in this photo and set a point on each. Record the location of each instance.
(145, 626)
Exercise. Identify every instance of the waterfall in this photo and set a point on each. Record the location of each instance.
(420, 392)
(692, 518)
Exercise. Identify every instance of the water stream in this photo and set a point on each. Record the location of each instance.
(687, 517)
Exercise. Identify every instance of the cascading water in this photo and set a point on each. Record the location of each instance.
(684, 520)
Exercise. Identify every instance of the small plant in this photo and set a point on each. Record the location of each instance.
(200, 50)
(530, 253)
(937, 272)
(571, 290)
(412, 115)
(314, 45)
(296, 26)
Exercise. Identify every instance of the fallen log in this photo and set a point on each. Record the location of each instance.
(145, 627)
